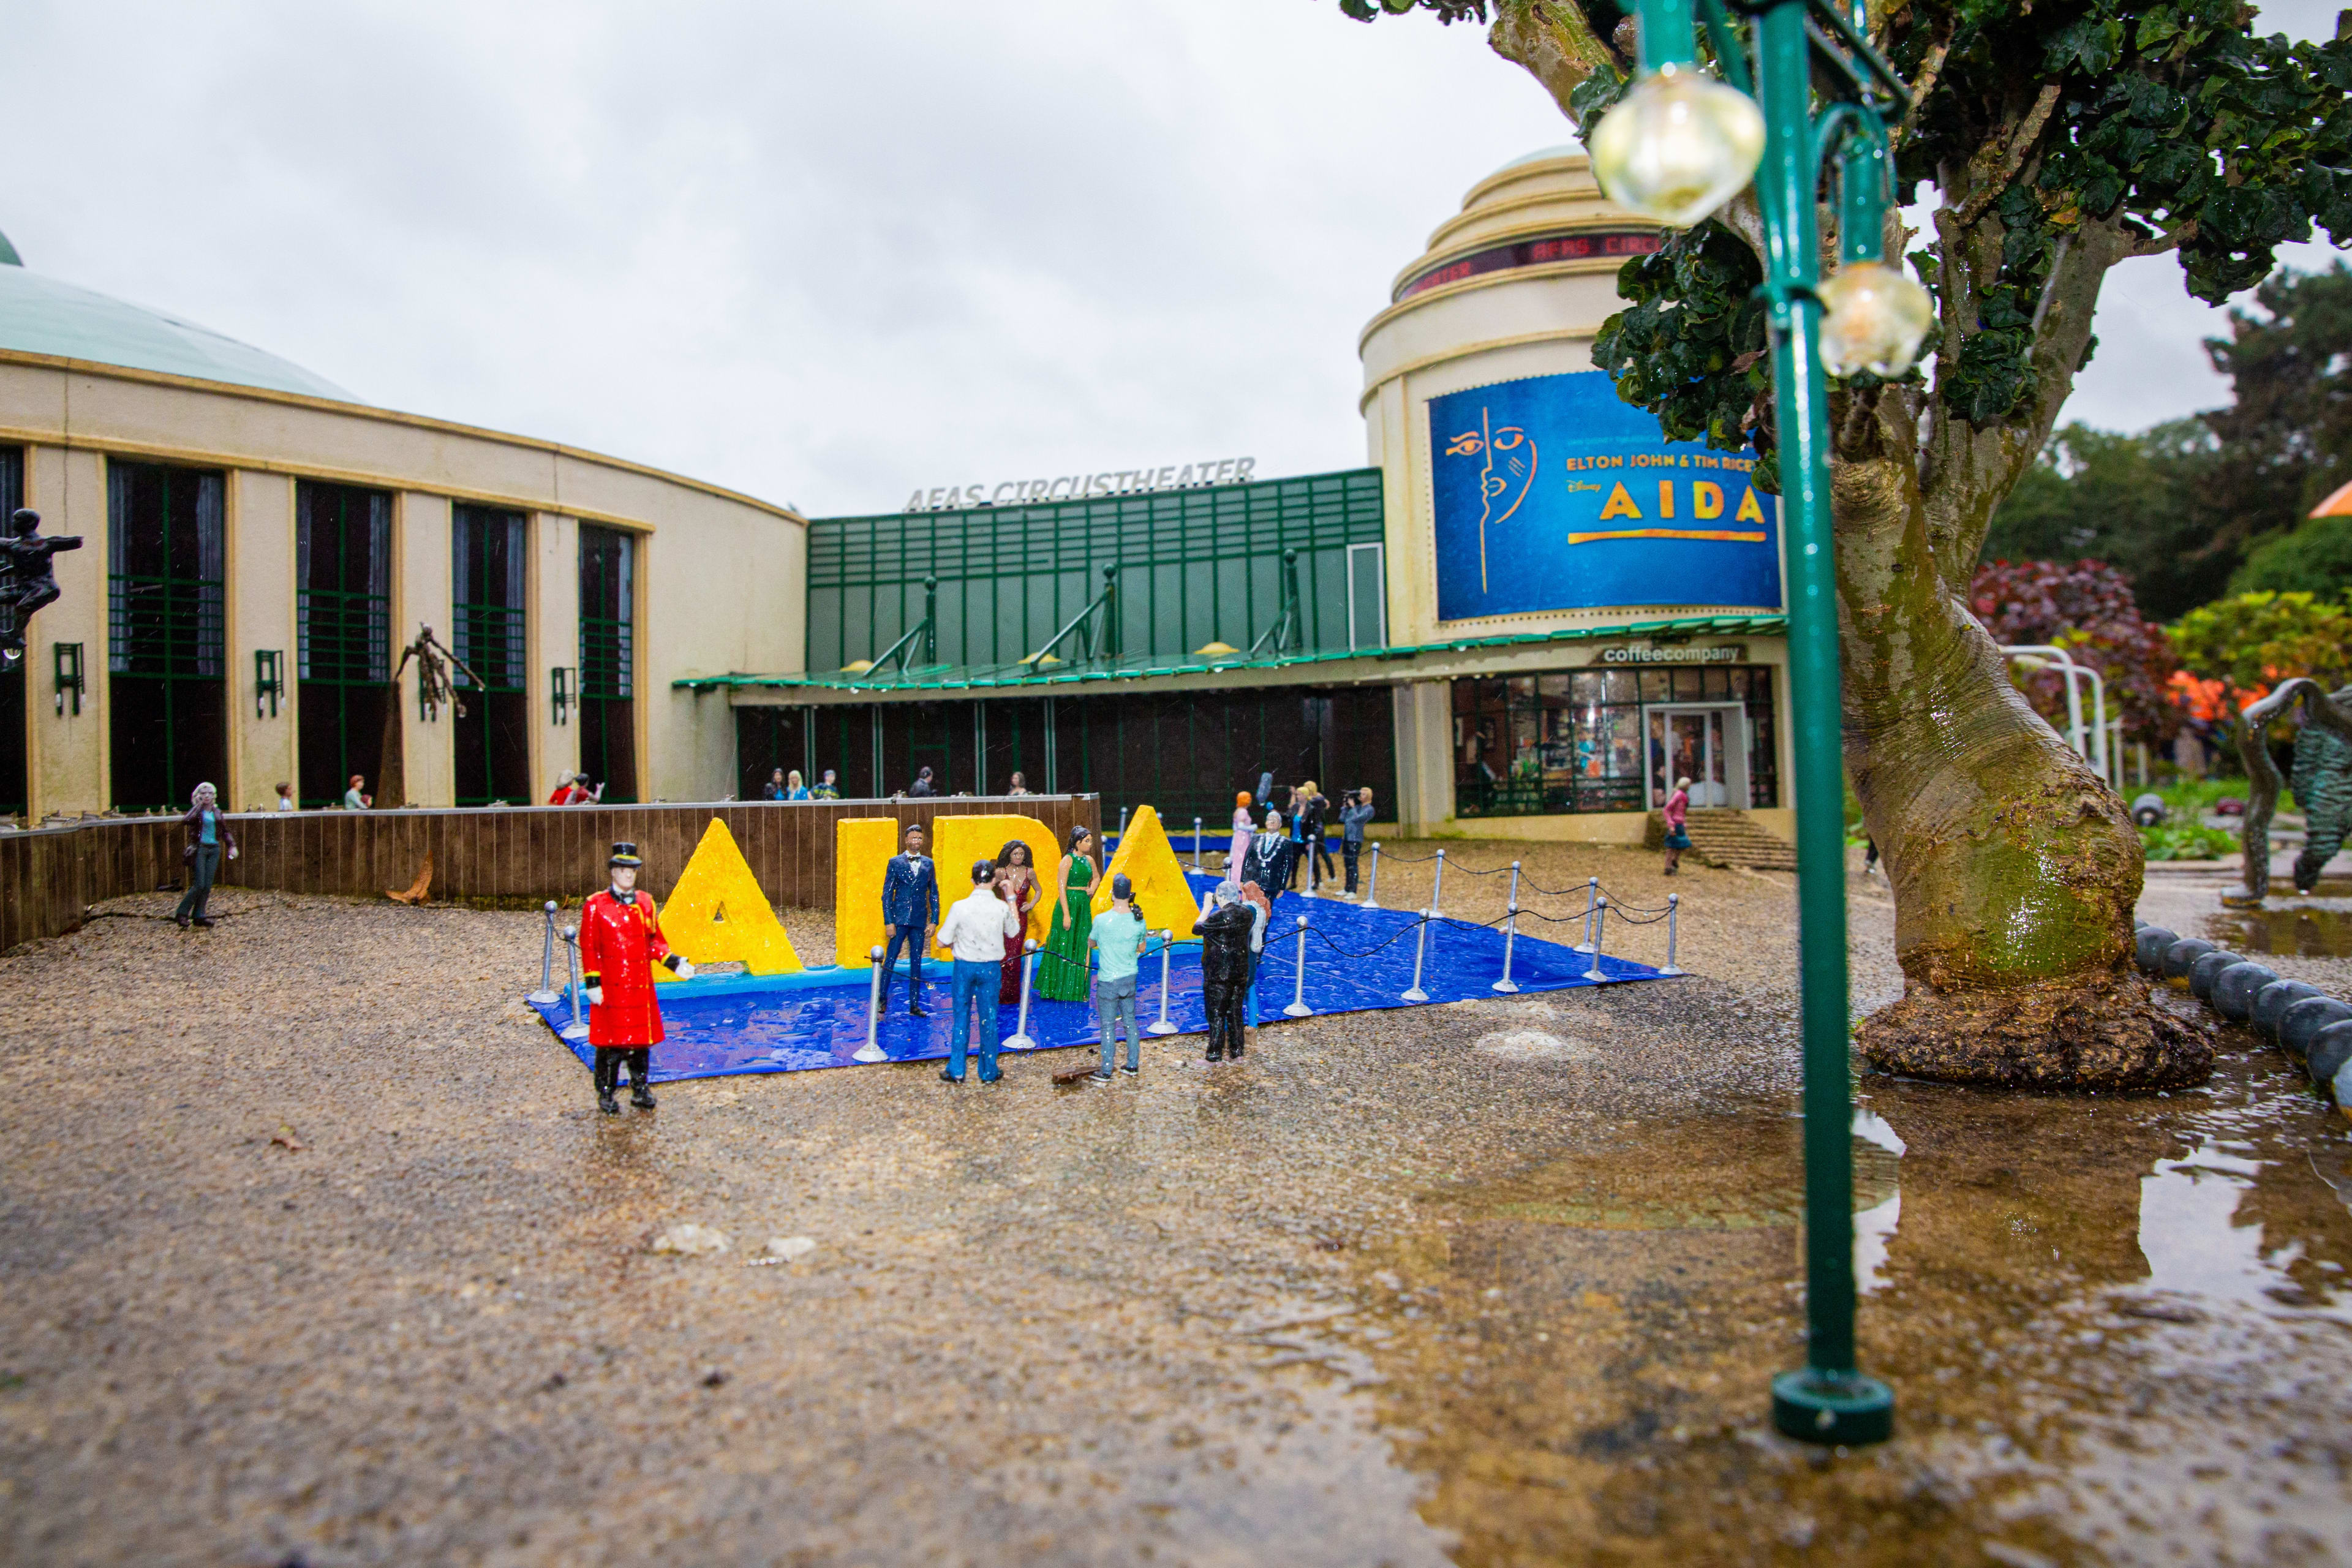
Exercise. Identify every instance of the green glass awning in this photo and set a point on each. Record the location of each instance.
(1146, 667)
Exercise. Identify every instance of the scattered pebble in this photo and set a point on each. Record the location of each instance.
(692, 1241)
(790, 1246)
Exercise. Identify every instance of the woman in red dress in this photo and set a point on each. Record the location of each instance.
(1016, 884)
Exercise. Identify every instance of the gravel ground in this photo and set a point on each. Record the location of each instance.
(316, 1251)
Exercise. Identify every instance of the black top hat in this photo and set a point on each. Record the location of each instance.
(624, 854)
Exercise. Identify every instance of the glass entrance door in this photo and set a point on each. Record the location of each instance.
(1707, 745)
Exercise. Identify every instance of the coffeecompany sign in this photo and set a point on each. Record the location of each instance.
(1626, 653)
(1086, 487)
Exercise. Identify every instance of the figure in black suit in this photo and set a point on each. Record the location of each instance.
(910, 906)
(1269, 857)
(1224, 931)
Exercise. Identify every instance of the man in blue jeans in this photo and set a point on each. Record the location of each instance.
(974, 932)
(911, 907)
(1118, 934)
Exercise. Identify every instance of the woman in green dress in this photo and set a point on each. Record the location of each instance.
(1061, 967)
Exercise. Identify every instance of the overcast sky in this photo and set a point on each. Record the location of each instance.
(822, 253)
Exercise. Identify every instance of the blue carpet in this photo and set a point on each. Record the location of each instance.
(1360, 960)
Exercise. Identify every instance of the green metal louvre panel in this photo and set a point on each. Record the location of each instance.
(1196, 566)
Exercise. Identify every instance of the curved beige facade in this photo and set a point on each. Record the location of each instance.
(719, 579)
(1517, 284)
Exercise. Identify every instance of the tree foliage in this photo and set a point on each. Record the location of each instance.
(2254, 641)
(2141, 502)
(2316, 558)
(2288, 432)
(2087, 609)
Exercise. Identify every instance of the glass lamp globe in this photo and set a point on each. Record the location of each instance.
(1677, 146)
(1874, 318)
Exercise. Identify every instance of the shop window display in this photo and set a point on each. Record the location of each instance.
(1581, 740)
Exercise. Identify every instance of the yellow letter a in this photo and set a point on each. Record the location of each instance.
(1620, 504)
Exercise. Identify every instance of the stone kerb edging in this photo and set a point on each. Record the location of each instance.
(2314, 1029)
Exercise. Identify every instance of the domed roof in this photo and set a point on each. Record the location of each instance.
(1542, 154)
(42, 315)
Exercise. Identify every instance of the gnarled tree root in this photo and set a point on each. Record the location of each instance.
(2103, 1033)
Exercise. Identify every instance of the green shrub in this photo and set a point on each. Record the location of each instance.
(2187, 841)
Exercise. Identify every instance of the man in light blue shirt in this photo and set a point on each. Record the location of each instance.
(1119, 935)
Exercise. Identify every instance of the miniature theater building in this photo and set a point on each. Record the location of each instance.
(1527, 618)
(260, 545)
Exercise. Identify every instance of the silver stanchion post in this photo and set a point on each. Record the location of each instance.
(1420, 946)
(1122, 822)
(1600, 918)
(1510, 936)
(1437, 884)
(1196, 846)
(1591, 895)
(871, 1051)
(1513, 900)
(1298, 1008)
(1166, 941)
(1020, 1040)
(1673, 908)
(578, 1028)
(547, 996)
(1372, 884)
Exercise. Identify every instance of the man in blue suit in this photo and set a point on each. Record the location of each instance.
(911, 907)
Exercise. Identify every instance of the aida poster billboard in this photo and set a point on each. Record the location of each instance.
(1553, 494)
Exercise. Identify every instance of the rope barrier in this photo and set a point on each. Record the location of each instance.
(1530, 883)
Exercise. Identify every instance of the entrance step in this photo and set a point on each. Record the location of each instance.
(1725, 837)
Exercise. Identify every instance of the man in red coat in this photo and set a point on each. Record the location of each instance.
(620, 942)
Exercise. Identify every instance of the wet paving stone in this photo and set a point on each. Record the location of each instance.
(314, 1246)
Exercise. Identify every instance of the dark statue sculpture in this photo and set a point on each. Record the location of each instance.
(2322, 783)
(28, 579)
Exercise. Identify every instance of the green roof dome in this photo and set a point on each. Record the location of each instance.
(42, 315)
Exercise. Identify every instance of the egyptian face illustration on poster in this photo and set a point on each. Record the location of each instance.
(1553, 494)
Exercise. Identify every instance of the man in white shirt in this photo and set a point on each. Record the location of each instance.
(974, 932)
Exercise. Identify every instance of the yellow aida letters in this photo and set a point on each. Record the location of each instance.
(718, 914)
(958, 841)
(1145, 857)
(862, 847)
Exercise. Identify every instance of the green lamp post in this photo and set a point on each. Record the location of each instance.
(1675, 147)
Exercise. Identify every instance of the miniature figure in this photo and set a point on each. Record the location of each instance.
(2323, 782)
(355, 798)
(620, 942)
(27, 560)
(1016, 884)
(826, 789)
(1244, 829)
(1020, 785)
(1676, 812)
(975, 931)
(1352, 817)
(1120, 937)
(911, 908)
(1062, 971)
(1225, 929)
(1269, 864)
(286, 797)
(208, 830)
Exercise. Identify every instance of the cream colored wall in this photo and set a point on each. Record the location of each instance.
(553, 633)
(428, 746)
(722, 575)
(261, 557)
(1476, 331)
(67, 752)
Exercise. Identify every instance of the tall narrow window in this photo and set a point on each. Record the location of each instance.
(14, 794)
(343, 578)
(167, 692)
(486, 580)
(608, 654)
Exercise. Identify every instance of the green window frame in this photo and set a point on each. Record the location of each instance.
(608, 657)
(166, 645)
(343, 635)
(487, 580)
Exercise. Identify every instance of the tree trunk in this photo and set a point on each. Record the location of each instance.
(392, 764)
(2014, 867)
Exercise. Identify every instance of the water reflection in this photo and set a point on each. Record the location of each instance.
(2195, 1245)
(1873, 1228)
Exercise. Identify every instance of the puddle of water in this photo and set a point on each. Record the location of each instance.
(2306, 928)
(2115, 1327)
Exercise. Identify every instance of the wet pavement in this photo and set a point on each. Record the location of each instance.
(315, 1250)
